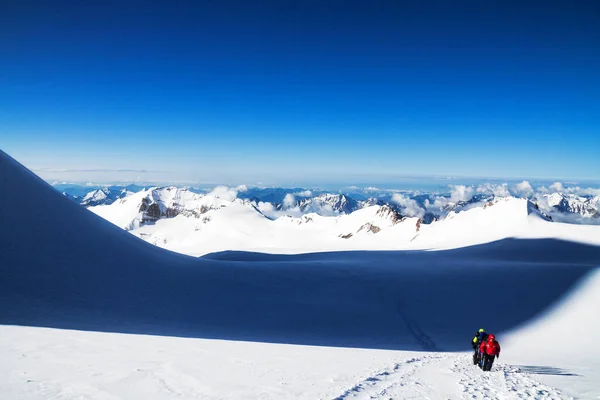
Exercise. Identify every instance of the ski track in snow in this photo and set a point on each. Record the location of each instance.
(423, 339)
(408, 380)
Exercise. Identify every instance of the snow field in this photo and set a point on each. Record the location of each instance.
(131, 320)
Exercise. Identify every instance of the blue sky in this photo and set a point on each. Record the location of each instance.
(301, 91)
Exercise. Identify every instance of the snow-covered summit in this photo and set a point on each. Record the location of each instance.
(95, 197)
(329, 204)
(148, 206)
(102, 196)
(571, 203)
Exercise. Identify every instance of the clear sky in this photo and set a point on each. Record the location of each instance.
(287, 91)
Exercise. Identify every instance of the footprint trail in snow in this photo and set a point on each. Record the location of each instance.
(449, 376)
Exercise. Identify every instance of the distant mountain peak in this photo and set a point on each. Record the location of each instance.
(389, 213)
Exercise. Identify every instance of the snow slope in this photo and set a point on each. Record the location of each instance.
(44, 363)
(63, 267)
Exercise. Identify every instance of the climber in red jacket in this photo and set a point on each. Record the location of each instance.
(490, 349)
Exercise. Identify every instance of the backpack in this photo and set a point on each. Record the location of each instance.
(480, 336)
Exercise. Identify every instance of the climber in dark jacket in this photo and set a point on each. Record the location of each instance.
(479, 338)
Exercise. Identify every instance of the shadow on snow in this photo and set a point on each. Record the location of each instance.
(542, 370)
(61, 266)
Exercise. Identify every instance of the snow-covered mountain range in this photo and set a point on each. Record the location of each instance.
(194, 221)
(275, 202)
(90, 311)
(560, 203)
(197, 224)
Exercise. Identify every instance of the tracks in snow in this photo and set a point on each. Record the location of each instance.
(503, 382)
(393, 382)
(421, 337)
(449, 376)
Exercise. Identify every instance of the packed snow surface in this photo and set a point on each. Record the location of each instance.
(46, 364)
(91, 311)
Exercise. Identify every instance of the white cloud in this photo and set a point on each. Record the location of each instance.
(583, 191)
(325, 210)
(572, 218)
(461, 193)
(268, 209)
(241, 188)
(372, 189)
(224, 192)
(557, 187)
(289, 200)
(440, 202)
(502, 190)
(484, 188)
(496, 190)
(523, 189)
(409, 206)
(304, 193)
(542, 190)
